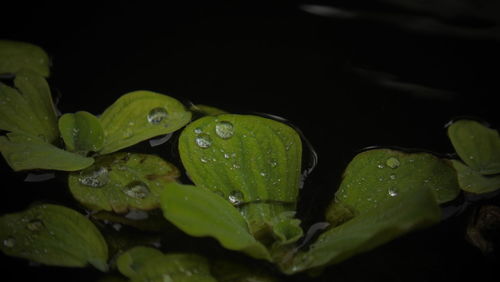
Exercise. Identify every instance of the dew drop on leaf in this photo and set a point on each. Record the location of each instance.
(203, 140)
(94, 177)
(392, 162)
(35, 225)
(136, 190)
(9, 242)
(392, 191)
(235, 197)
(224, 129)
(157, 115)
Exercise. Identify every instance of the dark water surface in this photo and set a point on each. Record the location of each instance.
(347, 84)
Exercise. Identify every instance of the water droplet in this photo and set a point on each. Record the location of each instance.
(392, 191)
(198, 130)
(203, 160)
(9, 242)
(236, 166)
(157, 115)
(203, 140)
(226, 156)
(380, 166)
(235, 197)
(35, 225)
(392, 162)
(263, 174)
(392, 176)
(224, 129)
(94, 177)
(273, 163)
(136, 189)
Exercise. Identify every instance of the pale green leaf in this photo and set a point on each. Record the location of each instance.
(53, 235)
(82, 132)
(122, 181)
(16, 56)
(200, 212)
(474, 182)
(412, 209)
(138, 116)
(143, 264)
(477, 145)
(253, 162)
(24, 152)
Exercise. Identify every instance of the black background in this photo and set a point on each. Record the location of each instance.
(281, 60)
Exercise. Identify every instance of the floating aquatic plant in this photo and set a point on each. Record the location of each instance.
(243, 189)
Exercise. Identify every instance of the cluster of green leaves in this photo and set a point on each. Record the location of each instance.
(245, 172)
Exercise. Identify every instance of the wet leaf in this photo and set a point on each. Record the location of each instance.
(413, 209)
(477, 145)
(28, 108)
(473, 181)
(122, 181)
(200, 212)
(53, 235)
(138, 116)
(148, 264)
(16, 56)
(378, 175)
(24, 152)
(253, 162)
(207, 110)
(82, 132)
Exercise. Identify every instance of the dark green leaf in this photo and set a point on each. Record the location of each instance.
(138, 116)
(16, 56)
(53, 235)
(412, 209)
(82, 132)
(474, 182)
(23, 152)
(477, 145)
(253, 162)
(122, 181)
(200, 212)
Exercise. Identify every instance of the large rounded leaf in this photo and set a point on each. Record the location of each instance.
(53, 235)
(477, 145)
(474, 182)
(252, 162)
(122, 181)
(16, 56)
(82, 132)
(138, 116)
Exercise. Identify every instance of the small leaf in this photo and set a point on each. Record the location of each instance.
(474, 182)
(148, 264)
(477, 145)
(252, 161)
(81, 132)
(199, 212)
(29, 108)
(16, 56)
(377, 175)
(122, 181)
(53, 235)
(138, 116)
(24, 152)
(413, 209)
(286, 228)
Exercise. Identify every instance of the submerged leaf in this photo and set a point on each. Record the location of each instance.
(413, 209)
(138, 116)
(16, 56)
(474, 182)
(477, 145)
(53, 235)
(148, 264)
(29, 108)
(122, 181)
(253, 162)
(82, 132)
(199, 212)
(23, 152)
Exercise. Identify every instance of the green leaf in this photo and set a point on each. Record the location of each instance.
(148, 264)
(378, 175)
(207, 110)
(413, 209)
(253, 162)
(122, 181)
(477, 145)
(286, 228)
(138, 116)
(16, 56)
(199, 212)
(29, 108)
(24, 152)
(474, 182)
(81, 132)
(53, 235)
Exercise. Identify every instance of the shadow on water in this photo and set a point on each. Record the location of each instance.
(349, 75)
